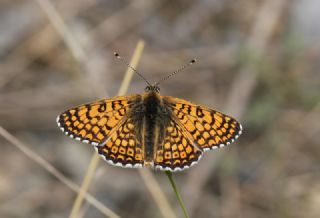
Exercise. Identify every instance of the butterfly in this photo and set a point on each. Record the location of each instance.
(149, 129)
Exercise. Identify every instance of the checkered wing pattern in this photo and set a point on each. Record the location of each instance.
(177, 150)
(92, 123)
(208, 128)
(123, 147)
(107, 125)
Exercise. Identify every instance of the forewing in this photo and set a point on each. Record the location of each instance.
(123, 147)
(177, 151)
(209, 129)
(92, 123)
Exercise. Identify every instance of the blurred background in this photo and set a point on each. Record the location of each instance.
(258, 61)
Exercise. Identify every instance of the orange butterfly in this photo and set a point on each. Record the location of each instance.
(148, 129)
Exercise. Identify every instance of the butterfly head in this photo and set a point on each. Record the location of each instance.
(152, 88)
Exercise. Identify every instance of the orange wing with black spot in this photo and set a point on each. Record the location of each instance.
(208, 128)
(106, 124)
(177, 150)
(123, 146)
(92, 123)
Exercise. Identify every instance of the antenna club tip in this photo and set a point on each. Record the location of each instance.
(193, 61)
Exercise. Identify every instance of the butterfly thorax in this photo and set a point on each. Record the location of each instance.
(154, 120)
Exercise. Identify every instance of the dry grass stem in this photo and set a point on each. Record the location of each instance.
(244, 81)
(63, 30)
(78, 53)
(261, 32)
(258, 62)
(95, 158)
(56, 173)
(85, 185)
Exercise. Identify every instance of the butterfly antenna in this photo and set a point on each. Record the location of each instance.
(116, 54)
(177, 71)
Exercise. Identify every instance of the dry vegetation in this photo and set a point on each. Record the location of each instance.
(258, 61)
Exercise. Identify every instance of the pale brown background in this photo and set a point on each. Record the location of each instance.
(258, 61)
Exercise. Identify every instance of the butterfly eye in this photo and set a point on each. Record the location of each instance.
(147, 89)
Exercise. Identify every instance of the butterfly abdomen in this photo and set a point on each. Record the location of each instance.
(153, 119)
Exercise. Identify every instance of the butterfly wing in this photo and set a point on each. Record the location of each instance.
(107, 125)
(123, 147)
(208, 128)
(177, 150)
(92, 123)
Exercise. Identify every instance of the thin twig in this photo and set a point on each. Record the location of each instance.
(95, 158)
(55, 172)
(79, 54)
(242, 87)
(84, 186)
(63, 30)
